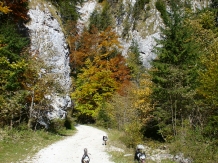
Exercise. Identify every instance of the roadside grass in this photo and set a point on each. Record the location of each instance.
(199, 150)
(116, 148)
(119, 153)
(17, 145)
(193, 147)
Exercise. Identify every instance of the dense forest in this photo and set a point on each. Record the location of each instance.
(174, 101)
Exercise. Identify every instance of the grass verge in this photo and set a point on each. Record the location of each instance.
(119, 153)
(117, 150)
(17, 145)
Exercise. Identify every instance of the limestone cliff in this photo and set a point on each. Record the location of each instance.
(48, 42)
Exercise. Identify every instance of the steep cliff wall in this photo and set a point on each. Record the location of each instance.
(49, 44)
(144, 29)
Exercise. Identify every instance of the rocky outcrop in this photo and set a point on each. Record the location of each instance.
(48, 42)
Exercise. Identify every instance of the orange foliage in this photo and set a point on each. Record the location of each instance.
(82, 47)
(18, 9)
(120, 72)
(101, 48)
(4, 9)
(90, 44)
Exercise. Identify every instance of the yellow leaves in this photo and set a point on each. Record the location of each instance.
(4, 61)
(19, 65)
(142, 98)
(207, 20)
(101, 70)
(4, 9)
(209, 75)
(5, 64)
(203, 26)
(108, 39)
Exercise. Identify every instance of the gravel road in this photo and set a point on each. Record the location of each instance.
(70, 150)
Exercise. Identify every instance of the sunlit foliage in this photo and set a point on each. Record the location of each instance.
(100, 70)
(4, 9)
(18, 10)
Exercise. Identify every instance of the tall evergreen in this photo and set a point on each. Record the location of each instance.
(105, 17)
(135, 63)
(214, 5)
(95, 20)
(101, 20)
(68, 9)
(174, 72)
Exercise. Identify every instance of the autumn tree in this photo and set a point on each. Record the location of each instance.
(18, 10)
(4, 9)
(206, 35)
(13, 65)
(90, 44)
(82, 47)
(93, 87)
(101, 72)
(130, 112)
(125, 117)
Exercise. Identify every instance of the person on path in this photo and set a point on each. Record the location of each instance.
(139, 154)
(85, 158)
(105, 138)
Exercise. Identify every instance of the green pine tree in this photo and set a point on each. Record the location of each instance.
(102, 20)
(174, 73)
(135, 63)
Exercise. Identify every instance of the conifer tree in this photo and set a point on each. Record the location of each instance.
(101, 20)
(135, 63)
(105, 17)
(174, 73)
(94, 20)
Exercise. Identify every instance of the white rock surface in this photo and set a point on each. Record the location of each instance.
(49, 43)
(85, 11)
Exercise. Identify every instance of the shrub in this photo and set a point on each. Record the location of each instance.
(134, 135)
(56, 125)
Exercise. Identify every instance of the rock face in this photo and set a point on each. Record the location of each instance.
(144, 32)
(49, 44)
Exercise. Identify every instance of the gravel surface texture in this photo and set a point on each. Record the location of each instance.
(70, 150)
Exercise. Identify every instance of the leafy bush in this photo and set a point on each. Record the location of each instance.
(193, 145)
(56, 125)
(69, 122)
(133, 134)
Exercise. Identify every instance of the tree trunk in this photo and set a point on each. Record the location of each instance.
(30, 112)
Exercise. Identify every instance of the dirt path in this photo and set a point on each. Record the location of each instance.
(70, 150)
